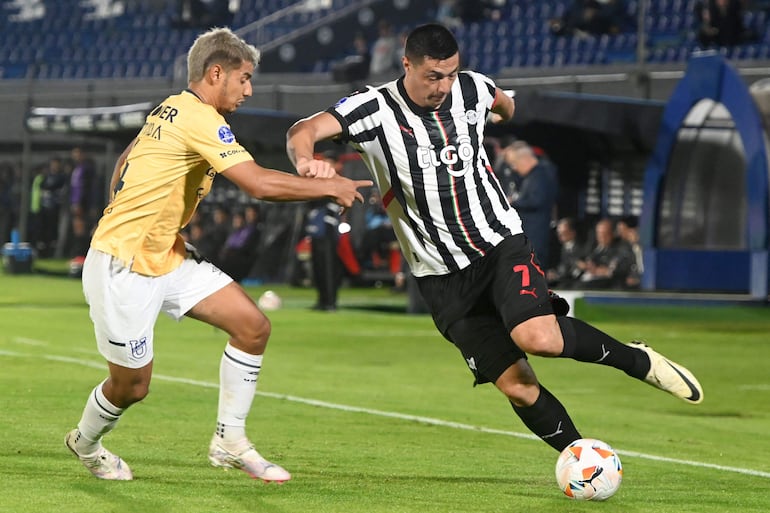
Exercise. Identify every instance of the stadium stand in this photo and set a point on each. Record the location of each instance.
(66, 39)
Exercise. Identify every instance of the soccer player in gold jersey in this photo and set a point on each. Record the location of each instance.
(138, 264)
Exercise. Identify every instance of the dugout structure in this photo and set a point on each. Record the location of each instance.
(704, 224)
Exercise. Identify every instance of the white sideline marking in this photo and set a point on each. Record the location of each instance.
(762, 388)
(29, 341)
(395, 415)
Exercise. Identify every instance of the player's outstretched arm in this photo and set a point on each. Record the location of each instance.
(504, 106)
(273, 185)
(301, 139)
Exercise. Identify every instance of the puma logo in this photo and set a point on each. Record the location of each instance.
(557, 432)
(530, 292)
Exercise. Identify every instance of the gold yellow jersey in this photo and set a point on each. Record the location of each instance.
(183, 144)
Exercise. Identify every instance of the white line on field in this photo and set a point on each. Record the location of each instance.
(29, 341)
(395, 415)
(760, 387)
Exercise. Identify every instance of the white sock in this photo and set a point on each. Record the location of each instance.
(238, 373)
(99, 418)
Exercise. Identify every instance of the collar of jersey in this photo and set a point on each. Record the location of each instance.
(417, 109)
(192, 93)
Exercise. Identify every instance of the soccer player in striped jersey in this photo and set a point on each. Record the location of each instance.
(421, 138)
(139, 265)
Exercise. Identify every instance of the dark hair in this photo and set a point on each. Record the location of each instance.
(432, 40)
(630, 221)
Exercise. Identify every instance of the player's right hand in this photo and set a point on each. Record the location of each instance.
(346, 190)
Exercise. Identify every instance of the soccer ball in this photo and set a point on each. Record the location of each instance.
(588, 469)
(269, 301)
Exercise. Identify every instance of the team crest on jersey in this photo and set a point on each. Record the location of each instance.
(471, 117)
(225, 134)
(138, 347)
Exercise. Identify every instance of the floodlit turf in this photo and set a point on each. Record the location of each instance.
(372, 411)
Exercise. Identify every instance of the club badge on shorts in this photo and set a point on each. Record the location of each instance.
(138, 347)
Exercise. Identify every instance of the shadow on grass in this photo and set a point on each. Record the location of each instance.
(381, 308)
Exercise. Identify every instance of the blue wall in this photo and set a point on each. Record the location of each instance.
(709, 76)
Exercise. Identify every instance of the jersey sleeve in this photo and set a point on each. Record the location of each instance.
(212, 138)
(485, 86)
(356, 113)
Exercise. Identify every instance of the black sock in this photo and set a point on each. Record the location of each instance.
(548, 419)
(584, 343)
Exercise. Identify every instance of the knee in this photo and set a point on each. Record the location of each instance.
(521, 394)
(540, 344)
(138, 392)
(519, 384)
(124, 394)
(253, 334)
(539, 336)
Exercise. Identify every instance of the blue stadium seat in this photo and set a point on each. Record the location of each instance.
(124, 44)
(13, 70)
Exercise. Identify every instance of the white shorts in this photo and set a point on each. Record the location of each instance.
(124, 305)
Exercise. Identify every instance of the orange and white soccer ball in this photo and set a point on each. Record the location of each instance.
(589, 469)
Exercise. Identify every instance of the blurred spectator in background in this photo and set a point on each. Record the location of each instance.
(203, 14)
(379, 247)
(82, 202)
(53, 187)
(590, 17)
(628, 230)
(383, 50)
(79, 240)
(322, 225)
(215, 234)
(479, 10)
(9, 200)
(448, 14)
(34, 231)
(503, 158)
(193, 232)
(354, 69)
(398, 55)
(617, 14)
(566, 273)
(721, 23)
(537, 187)
(608, 265)
(241, 248)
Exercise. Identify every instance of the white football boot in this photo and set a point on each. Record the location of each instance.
(102, 464)
(244, 457)
(670, 376)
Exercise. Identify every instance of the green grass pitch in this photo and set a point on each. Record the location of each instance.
(372, 411)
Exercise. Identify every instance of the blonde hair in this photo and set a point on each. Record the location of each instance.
(218, 46)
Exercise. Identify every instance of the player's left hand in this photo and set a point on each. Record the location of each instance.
(316, 168)
(495, 118)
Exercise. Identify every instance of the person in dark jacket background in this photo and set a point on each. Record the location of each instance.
(322, 226)
(536, 190)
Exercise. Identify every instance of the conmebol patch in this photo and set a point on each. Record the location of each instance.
(225, 134)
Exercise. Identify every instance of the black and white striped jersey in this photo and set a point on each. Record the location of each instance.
(437, 183)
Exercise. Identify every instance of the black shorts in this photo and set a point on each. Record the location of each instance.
(476, 308)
